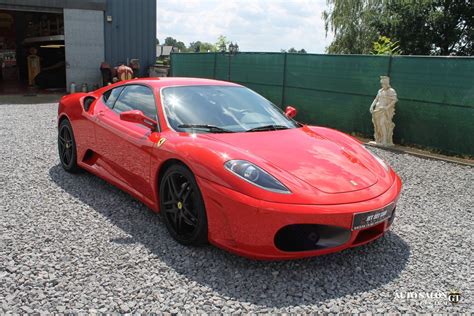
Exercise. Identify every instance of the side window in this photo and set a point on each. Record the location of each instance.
(111, 96)
(135, 97)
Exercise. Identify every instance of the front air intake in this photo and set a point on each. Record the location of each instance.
(305, 237)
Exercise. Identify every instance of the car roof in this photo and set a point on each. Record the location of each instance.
(161, 82)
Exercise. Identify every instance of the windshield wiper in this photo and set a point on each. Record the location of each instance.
(211, 128)
(267, 128)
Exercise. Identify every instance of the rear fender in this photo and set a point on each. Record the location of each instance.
(70, 107)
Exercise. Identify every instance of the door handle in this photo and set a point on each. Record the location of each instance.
(98, 115)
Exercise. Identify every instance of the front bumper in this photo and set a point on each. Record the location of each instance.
(248, 227)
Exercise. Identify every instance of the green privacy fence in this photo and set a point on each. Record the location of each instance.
(436, 94)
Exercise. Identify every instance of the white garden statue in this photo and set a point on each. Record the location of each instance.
(383, 110)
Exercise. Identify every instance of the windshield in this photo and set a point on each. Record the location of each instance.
(221, 109)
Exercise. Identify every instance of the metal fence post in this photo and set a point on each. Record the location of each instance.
(283, 86)
(389, 71)
(228, 70)
(215, 62)
(171, 65)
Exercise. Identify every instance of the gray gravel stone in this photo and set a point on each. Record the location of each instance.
(73, 243)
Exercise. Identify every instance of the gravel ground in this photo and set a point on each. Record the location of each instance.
(73, 243)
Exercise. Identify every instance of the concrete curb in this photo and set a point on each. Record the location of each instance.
(422, 154)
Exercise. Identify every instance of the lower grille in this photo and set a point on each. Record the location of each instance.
(304, 237)
(369, 233)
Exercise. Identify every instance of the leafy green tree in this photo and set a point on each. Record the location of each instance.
(208, 47)
(408, 25)
(195, 46)
(453, 28)
(421, 27)
(181, 46)
(202, 47)
(293, 50)
(222, 43)
(170, 41)
(385, 46)
(352, 23)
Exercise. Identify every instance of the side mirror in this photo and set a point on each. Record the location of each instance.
(137, 116)
(290, 112)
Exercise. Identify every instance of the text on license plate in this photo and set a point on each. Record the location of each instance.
(371, 218)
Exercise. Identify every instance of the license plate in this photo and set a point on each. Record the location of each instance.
(367, 219)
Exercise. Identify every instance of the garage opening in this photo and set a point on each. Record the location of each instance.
(32, 55)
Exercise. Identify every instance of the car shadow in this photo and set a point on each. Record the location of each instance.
(272, 284)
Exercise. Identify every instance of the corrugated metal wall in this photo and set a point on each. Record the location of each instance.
(50, 4)
(84, 40)
(132, 32)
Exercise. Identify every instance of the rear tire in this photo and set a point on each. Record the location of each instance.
(182, 206)
(67, 147)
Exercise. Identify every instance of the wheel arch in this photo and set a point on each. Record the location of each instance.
(159, 173)
(63, 117)
(165, 165)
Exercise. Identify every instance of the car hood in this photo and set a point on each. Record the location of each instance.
(322, 163)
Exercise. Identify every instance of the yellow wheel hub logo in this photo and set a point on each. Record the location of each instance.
(180, 205)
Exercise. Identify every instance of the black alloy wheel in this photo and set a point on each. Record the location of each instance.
(182, 206)
(67, 147)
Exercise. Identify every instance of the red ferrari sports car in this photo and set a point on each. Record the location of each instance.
(226, 166)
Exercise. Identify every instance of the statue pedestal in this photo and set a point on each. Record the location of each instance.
(374, 143)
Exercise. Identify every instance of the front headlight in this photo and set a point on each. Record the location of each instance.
(380, 160)
(255, 175)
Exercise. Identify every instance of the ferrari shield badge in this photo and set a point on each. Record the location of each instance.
(161, 142)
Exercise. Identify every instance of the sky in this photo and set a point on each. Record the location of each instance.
(258, 25)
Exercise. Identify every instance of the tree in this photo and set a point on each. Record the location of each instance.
(202, 47)
(422, 27)
(293, 50)
(436, 27)
(222, 43)
(208, 47)
(353, 25)
(181, 46)
(195, 47)
(170, 41)
(385, 46)
(408, 25)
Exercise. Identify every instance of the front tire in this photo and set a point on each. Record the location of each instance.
(182, 206)
(67, 147)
